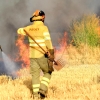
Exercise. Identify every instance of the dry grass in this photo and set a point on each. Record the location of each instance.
(78, 80)
(82, 55)
(70, 83)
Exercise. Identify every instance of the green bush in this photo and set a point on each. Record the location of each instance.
(84, 31)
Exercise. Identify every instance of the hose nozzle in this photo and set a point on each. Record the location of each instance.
(0, 48)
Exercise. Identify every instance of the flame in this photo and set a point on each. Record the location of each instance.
(62, 44)
(24, 49)
(23, 52)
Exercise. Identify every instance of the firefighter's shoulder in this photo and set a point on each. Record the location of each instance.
(21, 31)
(46, 28)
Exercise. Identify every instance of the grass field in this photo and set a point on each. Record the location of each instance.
(70, 83)
(78, 80)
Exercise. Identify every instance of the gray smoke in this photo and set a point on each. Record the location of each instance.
(59, 14)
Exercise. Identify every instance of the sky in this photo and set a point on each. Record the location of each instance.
(59, 15)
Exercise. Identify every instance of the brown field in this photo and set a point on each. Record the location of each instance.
(78, 80)
(70, 83)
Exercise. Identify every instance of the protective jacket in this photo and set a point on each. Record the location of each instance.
(41, 35)
(38, 61)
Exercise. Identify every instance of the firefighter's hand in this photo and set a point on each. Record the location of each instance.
(47, 54)
(50, 55)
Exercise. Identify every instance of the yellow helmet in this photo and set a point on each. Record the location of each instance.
(37, 16)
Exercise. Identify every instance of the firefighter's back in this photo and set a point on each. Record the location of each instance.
(36, 30)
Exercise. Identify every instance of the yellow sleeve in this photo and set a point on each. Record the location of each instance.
(20, 31)
(47, 38)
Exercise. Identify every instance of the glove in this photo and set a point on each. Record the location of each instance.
(46, 55)
(50, 54)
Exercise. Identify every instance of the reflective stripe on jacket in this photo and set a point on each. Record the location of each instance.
(41, 35)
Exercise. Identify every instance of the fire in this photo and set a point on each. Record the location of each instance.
(59, 53)
(24, 49)
(23, 52)
(62, 44)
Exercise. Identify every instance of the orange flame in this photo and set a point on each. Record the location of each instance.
(23, 52)
(62, 44)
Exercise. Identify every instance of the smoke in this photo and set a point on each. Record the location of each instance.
(59, 15)
(10, 66)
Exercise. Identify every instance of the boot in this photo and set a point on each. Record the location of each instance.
(42, 94)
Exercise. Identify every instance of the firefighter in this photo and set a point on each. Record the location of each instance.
(38, 59)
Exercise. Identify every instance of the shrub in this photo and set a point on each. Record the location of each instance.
(84, 31)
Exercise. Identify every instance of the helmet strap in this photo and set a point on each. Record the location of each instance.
(31, 19)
